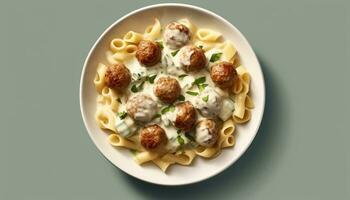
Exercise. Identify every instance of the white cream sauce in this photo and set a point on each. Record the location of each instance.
(170, 66)
(174, 38)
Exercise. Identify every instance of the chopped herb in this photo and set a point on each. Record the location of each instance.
(190, 136)
(122, 115)
(201, 87)
(156, 116)
(182, 76)
(169, 108)
(135, 88)
(206, 98)
(181, 98)
(200, 46)
(151, 78)
(160, 44)
(119, 100)
(178, 131)
(192, 93)
(215, 57)
(199, 80)
(174, 53)
(180, 140)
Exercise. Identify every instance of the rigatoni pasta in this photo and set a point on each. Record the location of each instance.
(172, 93)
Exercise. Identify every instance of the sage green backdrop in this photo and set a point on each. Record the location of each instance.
(300, 152)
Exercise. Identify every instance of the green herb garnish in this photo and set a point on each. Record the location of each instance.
(151, 78)
(199, 80)
(190, 136)
(192, 93)
(215, 57)
(135, 88)
(174, 53)
(182, 76)
(180, 140)
(201, 87)
(160, 44)
(157, 116)
(169, 108)
(200, 46)
(181, 98)
(178, 131)
(119, 100)
(122, 115)
(206, 98)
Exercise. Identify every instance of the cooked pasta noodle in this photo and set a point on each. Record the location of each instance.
(188, 24)
(133, 37)
(117, 44)
(113, 115)
(118, 141)
(208, 35)
(109, 98)
(105, 118)
(153, 31)
(99, 80)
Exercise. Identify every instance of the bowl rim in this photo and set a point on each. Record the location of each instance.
(227, 23)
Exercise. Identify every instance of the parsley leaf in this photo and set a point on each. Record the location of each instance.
(201, 87)
(182, 76)
(192, 93)
(181, 98)
(200, 46)
(206, 98)
(199, 80)
(160, 44)
(169, 108)
(135, 88)
(151, 78)
(180, 140)
(190, 136)
(156, 116)
(174, 53)
(122, 115)
(215, 57)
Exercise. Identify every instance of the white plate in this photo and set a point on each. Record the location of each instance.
(201, 169)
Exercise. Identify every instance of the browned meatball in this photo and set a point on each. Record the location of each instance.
(186, 116)
(176, 35)
(192, 58)
(148, 53)
(223, 74)
(167, 89)
(141, 108)
(117, 76)
(152, 137)
(207, 132)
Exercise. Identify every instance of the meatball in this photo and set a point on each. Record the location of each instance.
(152, 137)
(223, 74)
(206, 132)
(148, 53)
(208, 102)
(167, 89)
(185, 116)
(141, 108)
(176, 35)
(192, 58)
(117, 76)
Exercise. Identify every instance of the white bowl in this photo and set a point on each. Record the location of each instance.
(201, 169)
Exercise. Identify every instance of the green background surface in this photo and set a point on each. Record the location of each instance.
(300, 152)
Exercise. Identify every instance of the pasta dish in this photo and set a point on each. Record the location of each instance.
(172, 93)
